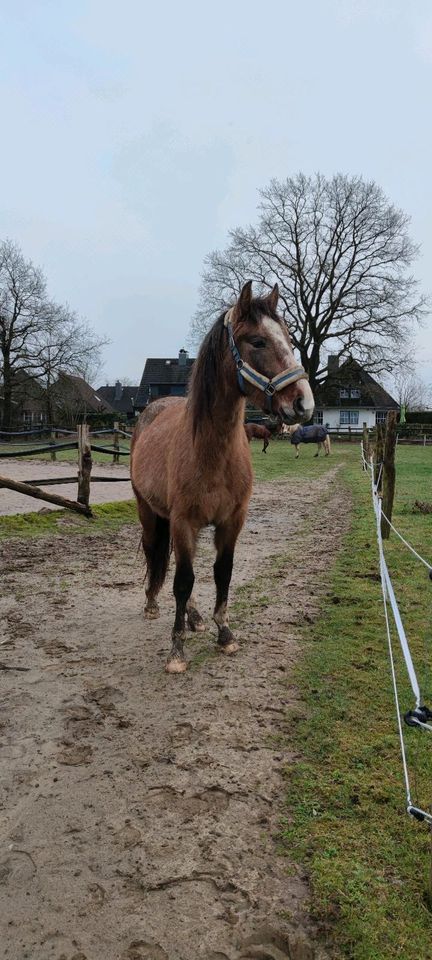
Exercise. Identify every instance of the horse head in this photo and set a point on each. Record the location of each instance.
(267, 371)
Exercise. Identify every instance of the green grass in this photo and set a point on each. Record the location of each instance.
(369, 863)
(107, 516)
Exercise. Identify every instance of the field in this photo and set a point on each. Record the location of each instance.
(253, 807)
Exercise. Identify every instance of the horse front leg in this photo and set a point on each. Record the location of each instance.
(225, 541)
(184, 541)
(296, 451)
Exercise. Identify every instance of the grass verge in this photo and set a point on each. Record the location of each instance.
(368, 862)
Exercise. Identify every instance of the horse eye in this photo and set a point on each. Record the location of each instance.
(258, 343)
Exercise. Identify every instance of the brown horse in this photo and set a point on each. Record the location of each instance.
(190, 461)
(255, 431)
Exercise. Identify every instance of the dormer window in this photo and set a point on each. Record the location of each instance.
(344, 393)
(355, 393)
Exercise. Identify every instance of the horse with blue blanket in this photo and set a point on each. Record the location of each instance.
(316, 433)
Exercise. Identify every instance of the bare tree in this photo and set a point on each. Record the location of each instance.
(23, 301)
(38, 336)
(411, 392)
(341, 255)
(65, 344)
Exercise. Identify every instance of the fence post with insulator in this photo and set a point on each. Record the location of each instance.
(389, 474)
(379, 454)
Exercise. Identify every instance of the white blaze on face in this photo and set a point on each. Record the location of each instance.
(275, 332)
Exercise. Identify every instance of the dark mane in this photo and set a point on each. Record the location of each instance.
(205, 379)
(207, 370)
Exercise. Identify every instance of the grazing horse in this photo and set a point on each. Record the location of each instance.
(316, 433)
(190, 460)
(255, 431)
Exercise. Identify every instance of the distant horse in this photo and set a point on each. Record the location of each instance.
(190, 462)
(255, 431)
(316, 433)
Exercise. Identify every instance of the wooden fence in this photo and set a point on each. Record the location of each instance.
(83, 445)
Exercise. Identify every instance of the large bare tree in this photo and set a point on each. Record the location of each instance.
(341, 254)
(37, 336)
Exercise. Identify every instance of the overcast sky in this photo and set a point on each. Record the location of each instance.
(135, 134)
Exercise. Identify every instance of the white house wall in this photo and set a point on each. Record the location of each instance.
(331, 418)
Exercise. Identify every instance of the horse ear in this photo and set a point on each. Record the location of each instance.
(245, 299)
(273, 298)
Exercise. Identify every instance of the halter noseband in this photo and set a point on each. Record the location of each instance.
(246, 372)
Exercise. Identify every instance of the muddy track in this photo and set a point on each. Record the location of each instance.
(139, 811)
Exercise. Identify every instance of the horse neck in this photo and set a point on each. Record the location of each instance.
(221, 431)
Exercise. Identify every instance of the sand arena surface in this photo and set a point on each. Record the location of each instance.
(140, 811)
(22, 469)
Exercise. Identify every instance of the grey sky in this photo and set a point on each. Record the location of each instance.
(135, 134)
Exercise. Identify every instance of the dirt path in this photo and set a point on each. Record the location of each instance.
(139, 810)
(11, 502)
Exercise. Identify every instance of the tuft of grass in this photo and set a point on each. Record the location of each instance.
(107, 516)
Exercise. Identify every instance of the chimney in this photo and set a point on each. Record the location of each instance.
(183, 357)
(118, 392)
(332, 365)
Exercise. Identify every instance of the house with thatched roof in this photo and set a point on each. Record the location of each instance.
(351, 397)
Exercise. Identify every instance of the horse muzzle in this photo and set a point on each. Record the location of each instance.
(295, 404)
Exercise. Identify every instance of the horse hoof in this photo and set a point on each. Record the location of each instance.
(151, 613)
(195, 622)
(230, 648)
(175, 666)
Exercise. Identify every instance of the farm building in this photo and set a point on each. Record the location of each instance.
(120, 398)
(74, 399)
(28, 401)
(350, 397)
(164, 378)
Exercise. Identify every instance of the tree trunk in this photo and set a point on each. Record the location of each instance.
(7, 393)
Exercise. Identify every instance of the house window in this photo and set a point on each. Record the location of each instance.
(27, 418)
(349, 418)
(344, 393)
(318, 416)
(380, 416)
(355, 393)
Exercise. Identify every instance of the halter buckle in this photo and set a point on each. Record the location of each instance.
(270, 390)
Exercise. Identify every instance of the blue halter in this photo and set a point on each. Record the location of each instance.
(245, 372)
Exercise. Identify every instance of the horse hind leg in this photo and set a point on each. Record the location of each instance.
(318, 450)
(156, 546)
(225, 540)
(184, 542)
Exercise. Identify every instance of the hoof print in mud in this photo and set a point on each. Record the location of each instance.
(141, 950)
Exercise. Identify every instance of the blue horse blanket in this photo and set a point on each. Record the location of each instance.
(313, 434)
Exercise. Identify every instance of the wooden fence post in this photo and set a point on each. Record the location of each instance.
(84, 463)
(389, 473)
(53, 439)
(379, 456)
(365, 445)
(116, 457)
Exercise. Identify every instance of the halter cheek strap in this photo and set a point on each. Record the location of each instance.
(245, 372)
